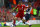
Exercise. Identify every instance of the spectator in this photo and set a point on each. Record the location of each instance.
(23, 0)
(17, 1)
(26, 0)
(30, 0)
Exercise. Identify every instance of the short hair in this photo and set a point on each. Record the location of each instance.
(20, 2)
(29, 3)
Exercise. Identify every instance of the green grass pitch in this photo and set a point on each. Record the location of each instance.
(35, 25)
(4, 26)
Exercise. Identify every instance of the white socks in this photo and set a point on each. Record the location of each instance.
(19, 22)
(28, 23)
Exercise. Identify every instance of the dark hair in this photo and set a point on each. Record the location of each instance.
(20, 2)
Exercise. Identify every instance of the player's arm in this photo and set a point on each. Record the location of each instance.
(14, 8)
(26, 7)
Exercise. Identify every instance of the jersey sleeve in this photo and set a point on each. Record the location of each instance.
(24, 6)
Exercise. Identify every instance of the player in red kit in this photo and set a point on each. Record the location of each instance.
(20, 13)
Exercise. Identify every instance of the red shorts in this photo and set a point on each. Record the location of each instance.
(20, 15)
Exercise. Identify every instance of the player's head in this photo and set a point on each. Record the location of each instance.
(20, 3)
(29, 4)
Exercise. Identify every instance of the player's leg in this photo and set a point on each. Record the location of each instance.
(14, 22)
(23, 21)
(23, 18)
(27, 17)
(30, 25)
(19, 19)
(15, 19)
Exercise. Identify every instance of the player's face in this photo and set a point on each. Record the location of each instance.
(29, 5)
(20, 3)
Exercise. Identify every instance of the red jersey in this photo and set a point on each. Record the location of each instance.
(0, 11)
(20, 8)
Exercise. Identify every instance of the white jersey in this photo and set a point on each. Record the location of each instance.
(29, 10)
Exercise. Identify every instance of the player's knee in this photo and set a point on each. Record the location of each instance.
(15, 18)
(23, 20)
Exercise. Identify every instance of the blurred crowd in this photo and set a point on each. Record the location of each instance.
(7, 14)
